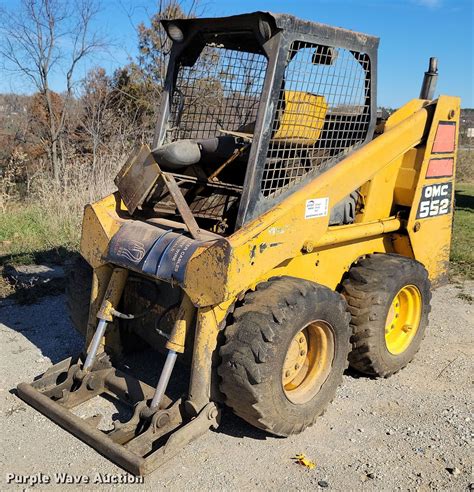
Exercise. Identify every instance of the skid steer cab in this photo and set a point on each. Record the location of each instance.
(275, 231)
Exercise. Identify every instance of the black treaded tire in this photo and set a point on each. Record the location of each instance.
(78, 293)
(256, 343)
(369, 289)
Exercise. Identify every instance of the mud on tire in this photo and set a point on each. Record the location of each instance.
(257, 342)
(369, 289)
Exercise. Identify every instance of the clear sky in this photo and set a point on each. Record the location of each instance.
(410, 30)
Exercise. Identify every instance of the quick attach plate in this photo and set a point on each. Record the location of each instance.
(146, 441)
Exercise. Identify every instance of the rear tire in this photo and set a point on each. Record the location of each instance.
(389, 300)
(284, 354)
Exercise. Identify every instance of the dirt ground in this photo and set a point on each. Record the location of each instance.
(412, 431)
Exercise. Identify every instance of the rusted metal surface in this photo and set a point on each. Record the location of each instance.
(182, 206)
(137, 177)
(146, 441)
(229, 161)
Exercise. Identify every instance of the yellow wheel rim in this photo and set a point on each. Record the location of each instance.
(403, 319)
(308, 361)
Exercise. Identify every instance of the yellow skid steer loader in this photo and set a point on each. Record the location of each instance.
(277, 230)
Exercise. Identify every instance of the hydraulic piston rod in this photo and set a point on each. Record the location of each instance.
(111, 299)
(94, 346)
(175, 345)
(164, 379)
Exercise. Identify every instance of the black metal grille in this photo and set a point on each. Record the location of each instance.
(322, 113)
(221, 90)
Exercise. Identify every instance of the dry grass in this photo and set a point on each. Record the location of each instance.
(50, 217)
(465, 166)
(45, 226)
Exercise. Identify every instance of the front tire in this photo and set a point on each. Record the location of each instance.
(389, 300)
(284, 354)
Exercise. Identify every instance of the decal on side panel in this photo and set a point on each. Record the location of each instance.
(316, 207)
(435, 200)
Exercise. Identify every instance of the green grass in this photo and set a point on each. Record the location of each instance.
(465, 166)
(30, 234)
(462, 250)
(29, 231)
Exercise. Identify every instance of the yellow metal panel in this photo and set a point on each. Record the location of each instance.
(230, 265)
(327, 265)
(100, 280)
(208, 323)
(431, 237)
(378, 193)
(183, 321)
(395, 183)
(101, 221)
(401, 245)
(407, 178)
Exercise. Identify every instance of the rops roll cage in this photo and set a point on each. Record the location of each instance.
(271, 35)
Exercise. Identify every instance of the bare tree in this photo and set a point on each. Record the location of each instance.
(153, 42)
(97, 114)
(43, 38)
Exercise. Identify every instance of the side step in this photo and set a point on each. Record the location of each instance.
(146, 441)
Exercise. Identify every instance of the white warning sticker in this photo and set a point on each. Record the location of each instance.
(316, 207)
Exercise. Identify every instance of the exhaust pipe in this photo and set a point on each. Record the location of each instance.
(429, 80)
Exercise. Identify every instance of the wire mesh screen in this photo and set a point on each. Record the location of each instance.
(221, 90)
(322, 113)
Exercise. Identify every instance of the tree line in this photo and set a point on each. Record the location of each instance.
(94, 120)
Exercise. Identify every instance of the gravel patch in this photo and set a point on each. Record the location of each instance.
(412, 431)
